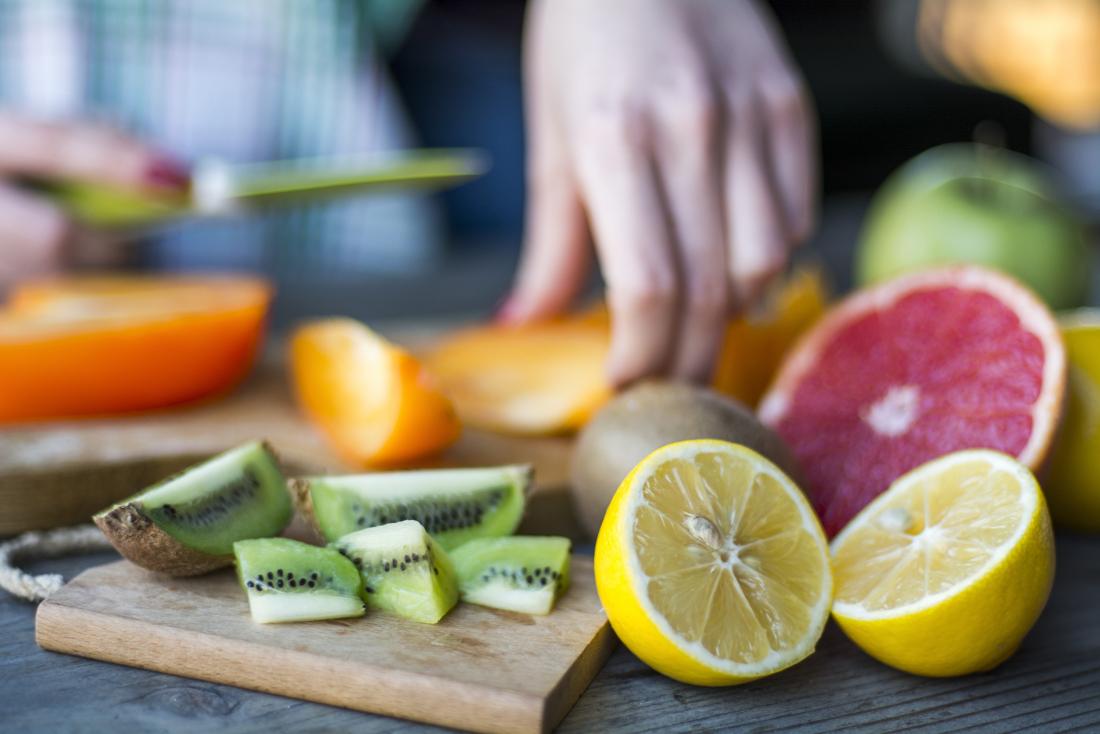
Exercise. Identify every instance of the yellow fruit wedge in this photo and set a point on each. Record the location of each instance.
(945, 572)
(1073, 484)
(757, 342)
(529, 380)
(712, 566)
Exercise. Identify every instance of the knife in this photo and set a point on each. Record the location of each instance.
(219, 188)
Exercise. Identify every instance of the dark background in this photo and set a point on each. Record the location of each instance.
(459, 74)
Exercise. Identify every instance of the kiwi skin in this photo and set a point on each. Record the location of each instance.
(303, 504)
(144, 543)
(648, 416)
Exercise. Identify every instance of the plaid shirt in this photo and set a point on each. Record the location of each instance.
(246, 80)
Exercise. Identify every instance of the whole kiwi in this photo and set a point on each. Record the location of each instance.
(648, 416)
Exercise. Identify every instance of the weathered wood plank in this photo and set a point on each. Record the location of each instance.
(478, 669)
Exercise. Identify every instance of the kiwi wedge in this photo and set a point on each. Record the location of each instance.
(288, 581)
(521, 574)
(187, 524)
(404, 571)
(454, 505)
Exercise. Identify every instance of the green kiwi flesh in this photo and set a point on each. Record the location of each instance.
(521, 574)
(288, 581)
(404, 571)
(454, 505)
(187, 524)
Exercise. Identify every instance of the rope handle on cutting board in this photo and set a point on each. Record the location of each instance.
(39, 545)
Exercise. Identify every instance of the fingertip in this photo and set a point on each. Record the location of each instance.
(45, 229)
(166, 173)
(507, 312)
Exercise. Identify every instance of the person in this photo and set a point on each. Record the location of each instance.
(676, 136)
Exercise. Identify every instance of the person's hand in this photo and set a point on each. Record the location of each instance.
(679, 132)
(35, 236)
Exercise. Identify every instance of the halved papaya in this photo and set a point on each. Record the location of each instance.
(92, 346)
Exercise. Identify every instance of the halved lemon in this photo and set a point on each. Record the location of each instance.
(945, 572)
(712, 566)
(1072, 487)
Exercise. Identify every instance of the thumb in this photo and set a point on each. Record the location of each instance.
(556, 257)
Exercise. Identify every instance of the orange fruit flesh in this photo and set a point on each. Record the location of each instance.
(538, 379)
(374, 401)
(101, 346)
(756, 343)
(550, 377)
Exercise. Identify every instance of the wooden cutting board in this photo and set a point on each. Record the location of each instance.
(59, 474)
(478, 669)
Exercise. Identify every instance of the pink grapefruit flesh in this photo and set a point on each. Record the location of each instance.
(912, 369)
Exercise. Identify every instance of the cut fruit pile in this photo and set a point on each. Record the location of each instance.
(712, 566)
(107, 345)
(1072, 485)
(379, 406)
(946, 571)
(910, 370)
(373, 400)
(380, 553)
(550, 378)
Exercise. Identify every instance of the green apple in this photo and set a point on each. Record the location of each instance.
(965, 203)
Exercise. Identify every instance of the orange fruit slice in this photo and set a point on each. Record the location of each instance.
(81, 346)
(538, 379)
(757, 342)
(373, 400)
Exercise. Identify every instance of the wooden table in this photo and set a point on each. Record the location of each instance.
(1051, 685)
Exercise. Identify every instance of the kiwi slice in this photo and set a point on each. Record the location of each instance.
(288, 581)
(520, 574)
(187, 524)
(454, 505)
(404, 571)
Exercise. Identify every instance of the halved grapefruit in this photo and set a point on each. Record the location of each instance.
(917, 367)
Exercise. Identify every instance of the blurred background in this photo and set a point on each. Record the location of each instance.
(890, 79)
(884, 75)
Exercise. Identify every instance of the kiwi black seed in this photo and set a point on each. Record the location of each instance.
(211, 509)
(428, 513)
(281, 579)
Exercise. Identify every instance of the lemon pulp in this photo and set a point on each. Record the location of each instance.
(945, 572)
(727, 573)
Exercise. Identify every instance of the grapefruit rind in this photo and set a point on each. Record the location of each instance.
(1033, 314)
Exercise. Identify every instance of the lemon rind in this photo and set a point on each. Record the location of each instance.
(1079, 318)
(998, 460)
(777, 660)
